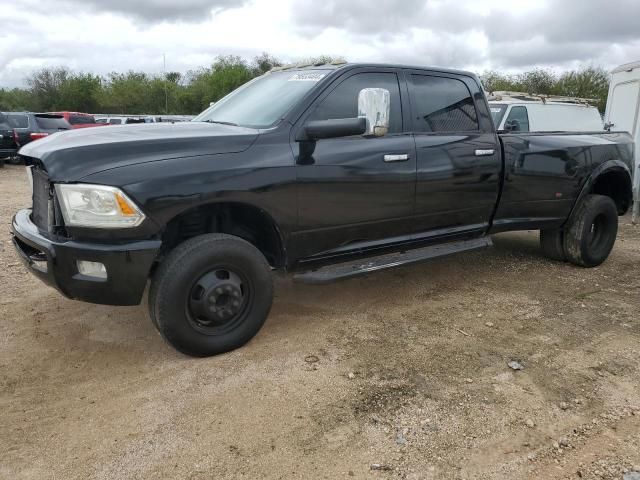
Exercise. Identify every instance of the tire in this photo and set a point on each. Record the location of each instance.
(212, 294)
(14, 160)
(150, 305)
(552, 243)
(591, 233)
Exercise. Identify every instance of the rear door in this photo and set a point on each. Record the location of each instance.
(623, 110)
(357, 190)
(458, 158)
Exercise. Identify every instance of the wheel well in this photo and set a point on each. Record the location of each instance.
(617, 185)
(245, 221)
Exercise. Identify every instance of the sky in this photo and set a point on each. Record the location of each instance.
(101, 36)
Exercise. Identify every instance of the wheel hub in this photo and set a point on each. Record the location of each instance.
(217, 298)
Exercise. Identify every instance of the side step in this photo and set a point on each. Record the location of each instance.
(341, 271)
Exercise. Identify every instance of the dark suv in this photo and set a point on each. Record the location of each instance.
(8, 122)
(19, 128)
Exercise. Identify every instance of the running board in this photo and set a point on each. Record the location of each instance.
(341, 271)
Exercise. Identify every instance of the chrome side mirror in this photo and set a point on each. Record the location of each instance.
(374, 105)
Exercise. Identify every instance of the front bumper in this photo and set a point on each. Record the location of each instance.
(55, 263)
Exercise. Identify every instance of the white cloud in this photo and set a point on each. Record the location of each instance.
(104, 36)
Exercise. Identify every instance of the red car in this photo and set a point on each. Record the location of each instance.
(79, 120)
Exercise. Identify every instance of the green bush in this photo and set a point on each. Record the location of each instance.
(55, 89)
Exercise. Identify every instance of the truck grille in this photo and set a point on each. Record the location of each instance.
(40, 213)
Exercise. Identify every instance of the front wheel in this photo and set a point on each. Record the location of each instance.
(211, 294)
(592, 231)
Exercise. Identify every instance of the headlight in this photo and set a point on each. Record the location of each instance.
(97, 206)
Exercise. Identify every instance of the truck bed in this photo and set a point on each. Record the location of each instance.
(544, 174)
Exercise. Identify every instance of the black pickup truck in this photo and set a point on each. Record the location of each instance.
(324, 171)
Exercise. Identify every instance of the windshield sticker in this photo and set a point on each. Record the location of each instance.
(306, 77)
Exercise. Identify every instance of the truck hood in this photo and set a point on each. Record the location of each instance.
(75, 154)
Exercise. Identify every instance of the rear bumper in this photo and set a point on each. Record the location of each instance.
(55, 263)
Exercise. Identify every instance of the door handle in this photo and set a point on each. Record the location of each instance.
(485, 153)
(400, 157)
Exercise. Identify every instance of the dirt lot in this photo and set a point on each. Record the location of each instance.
(402, 374)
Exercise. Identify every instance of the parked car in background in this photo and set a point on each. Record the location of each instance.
(308, 171)
(8, 122)
(123, 120)
(19, 128)
(39, 125)
(623, 110)
(128, 119)
(79, 120)
(523, 112)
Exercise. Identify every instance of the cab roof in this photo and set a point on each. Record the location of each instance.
(336, 65)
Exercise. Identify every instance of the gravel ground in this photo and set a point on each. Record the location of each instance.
(402, 374)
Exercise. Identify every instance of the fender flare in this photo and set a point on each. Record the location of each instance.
(280, 237)
(605, 167)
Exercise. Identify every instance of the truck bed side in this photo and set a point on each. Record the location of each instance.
(545, 174)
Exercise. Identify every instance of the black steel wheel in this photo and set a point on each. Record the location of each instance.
(211, 294)
(217, 301)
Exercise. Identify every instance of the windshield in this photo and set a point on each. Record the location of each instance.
(262, 102)
(497, 112)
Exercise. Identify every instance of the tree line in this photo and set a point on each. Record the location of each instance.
(588, 82)
(132, 92)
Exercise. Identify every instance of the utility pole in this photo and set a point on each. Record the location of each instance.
(166, 92)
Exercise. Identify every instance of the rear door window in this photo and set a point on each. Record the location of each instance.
(442, 104)
(51, 122)
(517, 120)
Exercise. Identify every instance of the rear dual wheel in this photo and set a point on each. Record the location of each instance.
(211, 294)
(589, 236)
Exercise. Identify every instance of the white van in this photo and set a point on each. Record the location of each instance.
(623, 110)
(522, 112)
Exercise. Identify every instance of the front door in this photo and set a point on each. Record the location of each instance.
(355, 190)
